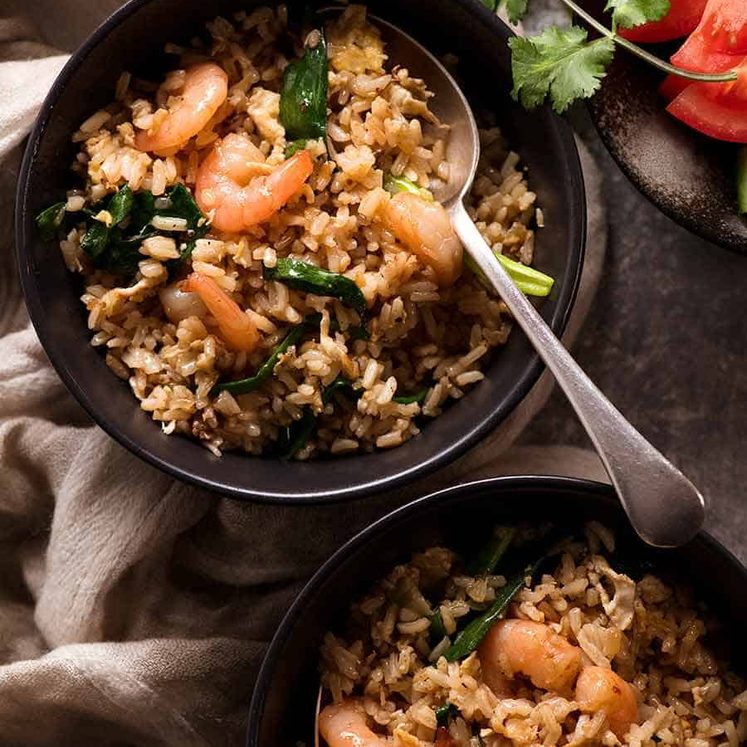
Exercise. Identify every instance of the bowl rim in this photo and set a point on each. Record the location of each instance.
(594, 490)
(367, 485)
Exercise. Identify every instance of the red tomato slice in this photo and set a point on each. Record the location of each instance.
(724, 26)
(672, 86)
(718, 110)
(698, 54)
(682, 18)
(721, 33)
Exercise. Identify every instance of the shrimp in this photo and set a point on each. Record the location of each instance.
(228, 184)
(424, 228)
(178, 305)
(532, 649)
(344, 725)
(600, 689)
(205, 89)
(236, 329)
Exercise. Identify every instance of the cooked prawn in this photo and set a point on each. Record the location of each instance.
(344, 725)
(228, 184)
(423, 226)
(600, 689)
(204, 91)
(236, 329)
(179, 305)
(532, 649)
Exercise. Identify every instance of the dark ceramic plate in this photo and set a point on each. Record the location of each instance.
(686, 175)
(459, 517)
(132, 39)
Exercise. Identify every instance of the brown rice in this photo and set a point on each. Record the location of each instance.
(387, 661)
(419, 335)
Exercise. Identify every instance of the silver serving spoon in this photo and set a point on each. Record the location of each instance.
(664, 507)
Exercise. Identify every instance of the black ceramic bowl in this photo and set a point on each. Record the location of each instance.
(132, 39)
(459, 517)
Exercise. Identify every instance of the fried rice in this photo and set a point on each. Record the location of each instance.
(419, 336)
(389, 665)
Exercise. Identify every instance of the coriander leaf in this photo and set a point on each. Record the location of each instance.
(516, 10)
(491, 5)
(629, 13)
(559, 63)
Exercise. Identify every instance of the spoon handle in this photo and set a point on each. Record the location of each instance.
(664, 507)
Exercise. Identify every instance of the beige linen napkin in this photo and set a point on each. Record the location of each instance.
(134, 610)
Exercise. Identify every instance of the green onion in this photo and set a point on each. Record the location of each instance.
(309, 278)
(303, 97)
(295, 436)
(444, 713)
(742, 179)
(471, 637)
(244, 386)
(396, 184)
(95, 240)
(488, 559)
(340, 385)
(121, 204)
(293, 147)
(531, 282)
(409, 399)
(437, 629)
(50, 220)
(117, 247)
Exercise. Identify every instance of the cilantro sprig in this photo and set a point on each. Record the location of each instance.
(559, 63)
(515, 9)
(630, 13)
(564, 65)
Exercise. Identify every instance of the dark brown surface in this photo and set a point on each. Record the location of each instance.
(666, 340)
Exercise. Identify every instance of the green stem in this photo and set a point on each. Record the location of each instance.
(742, 179)
(647, 56)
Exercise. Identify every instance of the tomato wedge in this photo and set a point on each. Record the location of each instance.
(673, 85)
(682, 18)
(720, 35)
(718, 110)
(697, 54)
(724, 26)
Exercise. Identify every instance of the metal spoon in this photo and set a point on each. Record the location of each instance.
(664, 507)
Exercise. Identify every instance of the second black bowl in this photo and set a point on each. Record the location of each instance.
(133, 39)
(461, 517)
